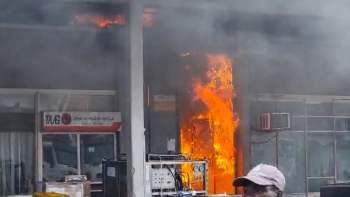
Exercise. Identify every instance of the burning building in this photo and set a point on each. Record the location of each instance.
(71, 57)
(67, 57)
(208, 125)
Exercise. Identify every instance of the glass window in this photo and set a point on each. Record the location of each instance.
(291, 160)
(16, 144)
(292, 107)
(314, 184)
(10, 103)
(298, 124)
(320, 124)
(320, 154)
(59, 156)
(72, 102)
(16, 162)
(319, 109)
(260, 107)
(95, 148)
(343, 156)
(342, 109)
(263, 148)
(342, 124)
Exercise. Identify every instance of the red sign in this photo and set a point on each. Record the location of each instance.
(82, 121)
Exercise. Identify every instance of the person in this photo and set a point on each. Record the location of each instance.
(262, 181)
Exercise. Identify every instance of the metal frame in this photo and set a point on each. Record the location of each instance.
(38, 92)
(305, 148)
(50, 27)
(37, 140)
(57, 91)
(334, 144)
(160, 163)
(38, 176)
(307, 99)
(78, 134)
(335, 116)
(78, 155)
(40, 133)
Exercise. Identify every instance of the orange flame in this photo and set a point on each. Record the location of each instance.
(106, 22)
(213, 133)
(101, 21)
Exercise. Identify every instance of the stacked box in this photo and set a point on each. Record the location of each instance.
(75, 186)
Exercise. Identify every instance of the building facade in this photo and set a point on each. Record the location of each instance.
(54, 61)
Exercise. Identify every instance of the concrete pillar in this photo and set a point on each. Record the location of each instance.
(242, 84)
(132, 134)
(242, 135)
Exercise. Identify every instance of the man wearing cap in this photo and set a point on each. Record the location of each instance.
(262, 181)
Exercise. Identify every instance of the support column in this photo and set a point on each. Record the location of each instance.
(133, 104)
(242, 84)
(242, 135)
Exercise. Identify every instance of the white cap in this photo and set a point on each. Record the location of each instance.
(263, 174)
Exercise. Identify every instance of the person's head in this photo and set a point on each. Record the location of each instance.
(262, 181)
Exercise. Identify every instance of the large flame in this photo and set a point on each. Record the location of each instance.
(211, 134)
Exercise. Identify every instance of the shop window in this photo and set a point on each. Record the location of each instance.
(16, 144)
(320, 124)
(263, 148)
(73, 102)
(17, 122)
(260, 107)
(16, 163)
(342, 109)
(95, 148)
(314, 184)
(59, 156)
(342, 124)
(298, 124)
(295, 108)
(320, 149)
(343, 156)
(319, 109)
(10, 103)
(291, 160)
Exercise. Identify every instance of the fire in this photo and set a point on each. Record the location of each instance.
(213, 122)
(101, 21)
(106, 22)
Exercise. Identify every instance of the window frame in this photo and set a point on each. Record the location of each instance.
(78, 140)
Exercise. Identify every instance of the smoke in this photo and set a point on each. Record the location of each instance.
(293, 47)
(296, 47)
(41, 49)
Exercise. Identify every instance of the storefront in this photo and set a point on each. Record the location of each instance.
(46, 134)
(315, 150)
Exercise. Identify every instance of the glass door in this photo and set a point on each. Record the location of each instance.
(60, 156)
(93, 149)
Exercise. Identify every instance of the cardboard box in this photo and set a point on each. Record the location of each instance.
(79, 189)
(75, 178)
(62, 188)
(79, 181)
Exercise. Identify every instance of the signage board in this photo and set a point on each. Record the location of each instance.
(164, 103)
(81, 121)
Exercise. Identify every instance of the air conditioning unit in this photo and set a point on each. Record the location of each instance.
(274, 121)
